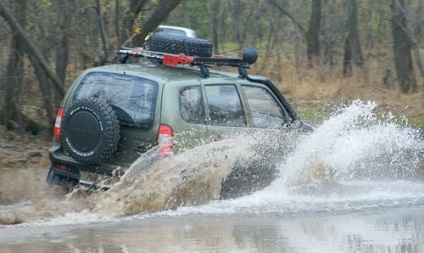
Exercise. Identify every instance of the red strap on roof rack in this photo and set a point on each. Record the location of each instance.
(174, 60)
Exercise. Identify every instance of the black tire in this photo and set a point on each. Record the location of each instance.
(172, 44)
(90, 131)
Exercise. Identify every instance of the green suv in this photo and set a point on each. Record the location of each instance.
(167, 99)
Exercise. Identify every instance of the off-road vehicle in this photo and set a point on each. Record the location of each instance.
(167, 97)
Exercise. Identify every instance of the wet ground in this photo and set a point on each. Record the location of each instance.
(354, 185)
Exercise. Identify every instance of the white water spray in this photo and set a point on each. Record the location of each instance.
(354, 143)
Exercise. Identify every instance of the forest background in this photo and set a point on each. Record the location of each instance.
(321, 53)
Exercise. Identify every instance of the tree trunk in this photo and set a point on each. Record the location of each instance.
(402, 49)
(215, 24)
(416, 30)
(312, 36)
(10, 115)
(352, 49)
(117, 20)
(105, 45)
(235, 8)
(62, 48)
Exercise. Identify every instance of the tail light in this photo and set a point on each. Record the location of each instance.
(61, 166)
(165, 140)
(58, 124)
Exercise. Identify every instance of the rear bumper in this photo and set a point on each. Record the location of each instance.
(57, 156)
(67, 168)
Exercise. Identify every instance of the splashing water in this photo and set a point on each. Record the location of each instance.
(356, 159)
(355, 143)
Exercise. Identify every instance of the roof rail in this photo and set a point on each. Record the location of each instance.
(249, 57)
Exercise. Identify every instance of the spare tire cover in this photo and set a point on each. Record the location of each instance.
(90, 131)
(172, 44)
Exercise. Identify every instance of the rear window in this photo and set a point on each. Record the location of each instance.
(132, 98)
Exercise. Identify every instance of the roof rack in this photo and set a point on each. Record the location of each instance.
(249, 57)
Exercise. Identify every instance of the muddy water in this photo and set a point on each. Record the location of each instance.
(382, 230)
(354, 185)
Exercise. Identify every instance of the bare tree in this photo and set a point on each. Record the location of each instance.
(416, 21)
(402, 48)
(62, 48)
(10, 115)
(352, 49)
(29, 46)
(215, 24)
(312, 36)
(103, 35)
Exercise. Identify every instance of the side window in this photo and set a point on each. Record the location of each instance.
(192, 109)
(266, 112)
(132, 98)
(224, 104)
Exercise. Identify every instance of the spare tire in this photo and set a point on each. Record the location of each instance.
(90, 131)
(172, 44)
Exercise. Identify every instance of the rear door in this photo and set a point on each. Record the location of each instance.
(183, 108)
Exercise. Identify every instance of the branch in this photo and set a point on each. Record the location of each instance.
(5, 12)
(293, 19)
(160, 13)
